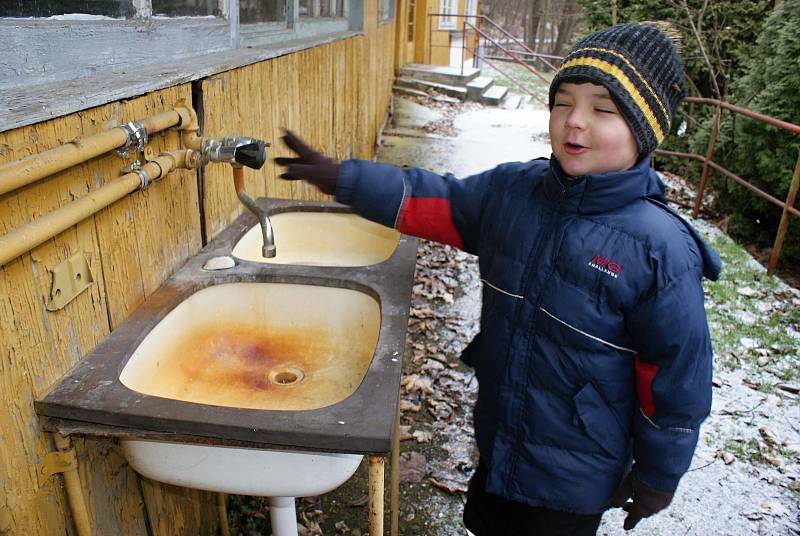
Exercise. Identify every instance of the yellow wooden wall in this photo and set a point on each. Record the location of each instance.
(335, 96)
(433, 46)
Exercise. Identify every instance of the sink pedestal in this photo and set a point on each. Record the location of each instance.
(282, 516)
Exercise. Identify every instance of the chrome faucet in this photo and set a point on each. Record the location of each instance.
(241, 151)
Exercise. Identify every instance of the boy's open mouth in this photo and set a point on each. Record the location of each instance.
(574, 148)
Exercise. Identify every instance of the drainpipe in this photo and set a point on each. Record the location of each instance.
(72, 482)
(19, 173)
(33, 233)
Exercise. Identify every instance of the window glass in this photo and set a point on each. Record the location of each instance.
(321, 8)
(185, 8)
(385, 10)
(411, 13)
(472, 9)
(261, 11)
(447, 8)
(48, 8)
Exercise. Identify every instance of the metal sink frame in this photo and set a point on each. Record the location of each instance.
(92, 394)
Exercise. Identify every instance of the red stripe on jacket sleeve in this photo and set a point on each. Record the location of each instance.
(645, 372)
(429, 218)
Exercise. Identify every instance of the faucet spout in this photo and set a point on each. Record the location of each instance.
(268, 250)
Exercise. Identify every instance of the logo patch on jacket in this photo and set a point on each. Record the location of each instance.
(606, 266)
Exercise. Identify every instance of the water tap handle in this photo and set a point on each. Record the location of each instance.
(236, 150)
(252, 155)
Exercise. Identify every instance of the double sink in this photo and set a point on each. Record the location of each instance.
(299, 354)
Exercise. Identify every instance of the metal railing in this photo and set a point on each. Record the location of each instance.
(480, 30)
(787, 206)
(525, 56)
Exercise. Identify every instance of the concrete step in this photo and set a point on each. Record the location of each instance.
(424, 85)
(512, 101)
(409, 91)
(478, 86)
(451, 76)
(494, 95)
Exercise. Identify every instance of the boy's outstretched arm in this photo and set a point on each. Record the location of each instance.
(415, 202)
(673, 383)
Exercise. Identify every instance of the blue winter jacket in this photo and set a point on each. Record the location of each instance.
(594, 348)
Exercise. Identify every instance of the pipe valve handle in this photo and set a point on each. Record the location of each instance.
(252, 155)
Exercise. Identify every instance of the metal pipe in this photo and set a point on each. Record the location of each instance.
(33, 233)
(72, 483)
(268, 250)
(224, 530)
(32, 168)
(784, 224)
(394, 478)
(375, 477)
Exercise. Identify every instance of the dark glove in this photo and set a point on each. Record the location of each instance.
(645, 501)
(310, 165)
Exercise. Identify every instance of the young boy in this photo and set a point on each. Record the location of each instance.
(594, 357)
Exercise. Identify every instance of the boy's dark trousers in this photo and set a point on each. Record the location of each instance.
(486, 514)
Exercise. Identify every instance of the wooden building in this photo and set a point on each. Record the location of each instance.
(436, 32)
(323, 68)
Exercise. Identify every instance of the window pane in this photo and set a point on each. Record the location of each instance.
(261, 11)
(385, 10)
(321, 8)
(185, 8)
(47, 8)
(411, 14)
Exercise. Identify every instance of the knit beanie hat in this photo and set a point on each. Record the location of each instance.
(640, 67)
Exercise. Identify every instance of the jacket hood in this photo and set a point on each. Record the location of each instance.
(596, 193)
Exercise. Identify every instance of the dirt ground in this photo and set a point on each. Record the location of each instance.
(745, 477)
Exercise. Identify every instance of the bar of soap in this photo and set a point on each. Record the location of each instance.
(219, 263)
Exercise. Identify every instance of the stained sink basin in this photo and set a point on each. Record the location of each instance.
(260, 346)
(321, 239)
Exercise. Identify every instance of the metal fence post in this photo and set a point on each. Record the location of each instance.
(784, 224)
(706, 168)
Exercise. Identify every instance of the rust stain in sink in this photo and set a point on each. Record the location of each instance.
(252, 367)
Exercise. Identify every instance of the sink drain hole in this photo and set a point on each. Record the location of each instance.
(286, 376)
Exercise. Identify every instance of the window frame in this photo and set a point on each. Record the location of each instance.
(63, 65)
(386, 15)
(450, 8)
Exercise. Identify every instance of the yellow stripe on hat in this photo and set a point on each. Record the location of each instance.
(622, 78)
(635, 71)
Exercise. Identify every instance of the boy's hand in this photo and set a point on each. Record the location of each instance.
(645, 501)
(309, 165)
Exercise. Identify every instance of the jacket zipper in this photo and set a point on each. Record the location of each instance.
(530, 335)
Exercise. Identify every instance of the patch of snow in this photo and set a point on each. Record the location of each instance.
(748, 343)
(81, 16)
(745, 317)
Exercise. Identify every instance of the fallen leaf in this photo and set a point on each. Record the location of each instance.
(413, 467)
(405, 432)
(422, 436)
(414, 382)
(407, 405)
(358, 503)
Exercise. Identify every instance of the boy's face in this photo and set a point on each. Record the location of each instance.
(587, 132)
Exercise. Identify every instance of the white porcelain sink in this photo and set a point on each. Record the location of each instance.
(265, 346)
(259, 346)
(265, 473)
(321, 239)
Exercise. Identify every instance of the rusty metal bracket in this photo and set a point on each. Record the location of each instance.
(70, 278)
(56, 462)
